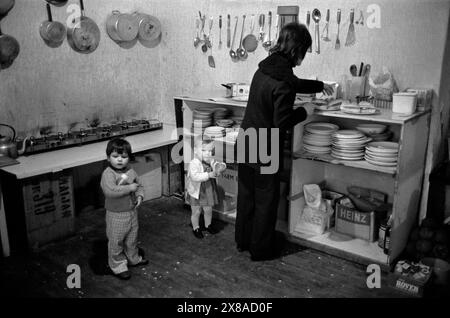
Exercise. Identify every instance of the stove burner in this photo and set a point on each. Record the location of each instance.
(83, 136)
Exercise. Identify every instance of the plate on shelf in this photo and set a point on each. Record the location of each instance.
(321, 128)
(240, 98)
(347, 158)
(376, 111)
(383, 146)
(383, 164)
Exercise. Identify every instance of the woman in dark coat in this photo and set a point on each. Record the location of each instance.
(270, 108)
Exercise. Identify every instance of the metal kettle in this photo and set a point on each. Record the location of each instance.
(8, 145)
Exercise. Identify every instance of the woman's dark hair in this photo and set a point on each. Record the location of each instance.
(120, 146)
(293, 42)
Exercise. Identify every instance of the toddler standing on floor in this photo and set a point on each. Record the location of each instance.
(201, 185)
(123, 194)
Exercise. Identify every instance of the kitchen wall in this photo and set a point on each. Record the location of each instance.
(58, 86)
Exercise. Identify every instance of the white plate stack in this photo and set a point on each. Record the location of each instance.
(348, 144)
(226, 123)
(202, 118)
(382, 153)
(220, 113)
(214, 132)
(317, 137)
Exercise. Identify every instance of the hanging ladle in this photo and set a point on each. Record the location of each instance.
(267, 44)
(197, 39)
(241, 52)
(316, 17)
(234, 56)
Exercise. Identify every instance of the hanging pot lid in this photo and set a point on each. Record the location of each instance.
(153, 43)
(127, 27)
(149, 27)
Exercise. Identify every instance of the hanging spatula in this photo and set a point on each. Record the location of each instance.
(351, 39)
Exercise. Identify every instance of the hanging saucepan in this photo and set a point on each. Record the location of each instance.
(122, 27)
(84, 35)
(52, 32)
(5, 7)
(58, 3)
(149, 30)
(9, 50)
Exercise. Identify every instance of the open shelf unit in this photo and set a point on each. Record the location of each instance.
(402, 183)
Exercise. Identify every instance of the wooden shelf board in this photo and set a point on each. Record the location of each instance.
(361, 164)
(212, 99)
(385, 116)
(361, 250)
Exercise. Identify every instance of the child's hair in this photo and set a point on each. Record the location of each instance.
(293, 42)
(120, 146)
(201, 141)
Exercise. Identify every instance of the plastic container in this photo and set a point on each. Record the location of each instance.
(404, 103)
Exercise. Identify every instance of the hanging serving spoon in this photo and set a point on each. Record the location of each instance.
(308, 21)
(241, 52)
(233, 54)
(316, 17)
(197, 39)
(262, 19)
(220, 32)
(268, 43)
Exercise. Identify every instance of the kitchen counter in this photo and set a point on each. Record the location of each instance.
(58, 160)
(54, 161)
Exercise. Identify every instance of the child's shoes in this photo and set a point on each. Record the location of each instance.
(143, 262)
(211, 229)
(123, 275)
(198, 233)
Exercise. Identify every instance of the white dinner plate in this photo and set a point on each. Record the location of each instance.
(240, 98)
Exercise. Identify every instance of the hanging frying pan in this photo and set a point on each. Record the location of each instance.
(57, 3)
(52, 32)
(149, 33)
(5, 7)
(9, 50)
(84, 35)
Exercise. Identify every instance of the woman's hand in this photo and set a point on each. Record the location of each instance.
(328, 89)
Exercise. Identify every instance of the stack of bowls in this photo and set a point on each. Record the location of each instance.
(203, 117)
(348, 144)
(214, 132)
(382, 153)
(376, 132)
(225, 123)
(317, 137)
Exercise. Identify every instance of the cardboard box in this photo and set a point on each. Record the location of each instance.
(411, 278)
(358, 224)
(227, 202)
(148, 168)
(228, 180)
(49, 208)
(175, 181)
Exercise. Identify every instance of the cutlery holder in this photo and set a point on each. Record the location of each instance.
(354, 87)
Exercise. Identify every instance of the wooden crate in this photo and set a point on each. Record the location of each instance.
(49, 208)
